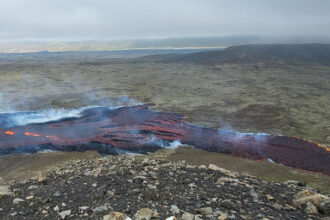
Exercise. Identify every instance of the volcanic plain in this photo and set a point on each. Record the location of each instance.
(260, 96)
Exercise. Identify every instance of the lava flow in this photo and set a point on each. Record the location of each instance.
(138, 129)
(9, 132)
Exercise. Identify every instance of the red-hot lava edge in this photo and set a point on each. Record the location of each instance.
(139, 129)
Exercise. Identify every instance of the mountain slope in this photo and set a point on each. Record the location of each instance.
(272, 53)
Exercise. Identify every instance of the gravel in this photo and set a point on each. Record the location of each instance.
(129, 186)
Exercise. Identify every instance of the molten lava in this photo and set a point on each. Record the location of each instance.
(138, 129)
(32, 134)
(9, 132)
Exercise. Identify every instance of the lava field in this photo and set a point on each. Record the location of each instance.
(139, 129)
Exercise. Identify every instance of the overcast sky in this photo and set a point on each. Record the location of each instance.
(117, 19)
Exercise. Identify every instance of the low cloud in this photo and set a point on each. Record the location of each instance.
(109, 19)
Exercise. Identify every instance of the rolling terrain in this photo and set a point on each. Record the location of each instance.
(279, 93)
(266, 54)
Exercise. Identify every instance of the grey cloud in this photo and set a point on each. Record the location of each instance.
(109, 19)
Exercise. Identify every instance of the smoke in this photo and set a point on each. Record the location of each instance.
(48, 115)
(153, 140)
(11, 119)
(254, 142)
(168, 144)
(270, 160)
(227, 127)
(90, 92)
(52, 87)
(175, 144)
(117, 151)
(125, 100)
(122, 100)
(14, 109)
(260, 137)
(23, 118)
(237, 136)
(5, 104)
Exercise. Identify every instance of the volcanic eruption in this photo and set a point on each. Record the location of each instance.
(139, 129)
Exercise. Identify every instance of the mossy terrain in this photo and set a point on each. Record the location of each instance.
(23, 166)
(279, 98)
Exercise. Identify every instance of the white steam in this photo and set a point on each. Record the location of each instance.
(261, 137)
(153, 139)
(11, 119)
(174, 144)
(45, 116)
(239, 136)
(270, 160)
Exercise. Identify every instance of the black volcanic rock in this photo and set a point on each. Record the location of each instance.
(134, 184)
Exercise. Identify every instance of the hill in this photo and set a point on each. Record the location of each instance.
(270, 53)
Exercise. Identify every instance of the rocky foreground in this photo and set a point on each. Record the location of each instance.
(133, 187)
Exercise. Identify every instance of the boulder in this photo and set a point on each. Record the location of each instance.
(171, 218)
(42, 179)
(102, 208)
(223, 180)
(175, 209)
(16, 201)
(205, 211)
(65, 213)
(144, 214)
(222, 215)
(310, 208)
(187, 216)
(222, 170)
(5, 191)
(305, 196)
(253, 193)
(116, 216)
(325, 207)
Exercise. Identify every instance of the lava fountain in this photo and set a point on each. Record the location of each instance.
(138, 129)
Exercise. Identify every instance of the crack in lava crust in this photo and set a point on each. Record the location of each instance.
(138, 129)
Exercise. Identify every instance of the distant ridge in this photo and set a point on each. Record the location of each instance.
(266, 53)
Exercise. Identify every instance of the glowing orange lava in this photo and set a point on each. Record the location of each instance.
(319, 145)
(32, 134)
(327, 149)
(52, 137)
(138, 129)
(9, 132)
